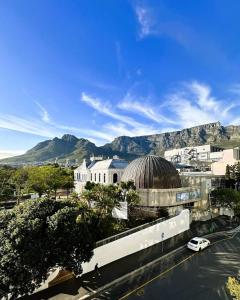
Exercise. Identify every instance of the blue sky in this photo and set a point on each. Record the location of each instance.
(103, 68)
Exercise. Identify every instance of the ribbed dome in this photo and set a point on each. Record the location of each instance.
(152, 172)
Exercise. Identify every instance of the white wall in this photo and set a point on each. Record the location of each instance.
(138, 241)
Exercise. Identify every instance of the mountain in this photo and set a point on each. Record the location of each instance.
(71, 147)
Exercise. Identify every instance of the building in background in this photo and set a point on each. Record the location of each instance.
(99, 170)
(204, 153)
(230, 157)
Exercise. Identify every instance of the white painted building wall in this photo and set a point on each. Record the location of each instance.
(138, 241)
(203, 153)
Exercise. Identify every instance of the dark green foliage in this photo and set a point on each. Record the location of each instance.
(163, 213)
(106, 197)
(37, 236)
(90, 185)
(226, 198)
(232, 175)
(6, 186)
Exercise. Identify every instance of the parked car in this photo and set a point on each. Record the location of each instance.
(198, 244)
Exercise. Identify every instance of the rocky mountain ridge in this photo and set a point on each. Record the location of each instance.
(73, 148)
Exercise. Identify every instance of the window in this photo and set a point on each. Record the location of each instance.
(91, 176)
(99, 177)
(194, 242)
(104, 177)
(115, 178)
(95, 177)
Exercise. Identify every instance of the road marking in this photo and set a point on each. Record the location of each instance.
(173, 267)
(154, 278)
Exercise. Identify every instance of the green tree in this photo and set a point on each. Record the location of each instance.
(48, 179)
(237, 172)
(226, 198)
(67, 180)
(36, 180)
(104, 197)
(19, 180)
(6, 186)
(90, 185)
(228, 173)
(37, 236)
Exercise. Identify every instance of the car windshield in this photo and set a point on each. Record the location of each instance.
(194, 242)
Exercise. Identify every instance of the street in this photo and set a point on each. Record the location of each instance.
(201, 276)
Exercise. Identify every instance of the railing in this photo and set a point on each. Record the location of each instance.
(128, 232)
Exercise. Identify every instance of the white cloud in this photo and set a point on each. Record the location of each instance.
(145, 20)
(43, 113)
(193, 105)
(104, 108)
(134, 127)
(99, 135)
(32, 126)
(141, 107)
(120, 129)
(49, 129)
(10, 153)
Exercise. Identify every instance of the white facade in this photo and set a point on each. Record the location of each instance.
(198, 153)
(138, 241)
(107, 171)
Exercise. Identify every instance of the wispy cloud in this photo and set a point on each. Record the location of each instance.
(125, 125)
(145, 20)
(106, 109)
(143, 108)
(120, 129)
(160, 22)
(47, 128)
(32, 126)
(43, 113)
(189, 104)
(193, 104)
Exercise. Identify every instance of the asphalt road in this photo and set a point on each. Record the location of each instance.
(201, 276)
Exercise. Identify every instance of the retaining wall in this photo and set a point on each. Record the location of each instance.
(138, 241)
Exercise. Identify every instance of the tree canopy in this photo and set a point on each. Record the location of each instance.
(6, 186)
(107, 197)
(39, 235)
(227, 198)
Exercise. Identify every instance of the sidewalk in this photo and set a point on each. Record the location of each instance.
(83, 287)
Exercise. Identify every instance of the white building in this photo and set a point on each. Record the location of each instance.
(207, 153)
(108, 171)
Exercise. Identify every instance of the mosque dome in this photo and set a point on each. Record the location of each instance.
(152, 172)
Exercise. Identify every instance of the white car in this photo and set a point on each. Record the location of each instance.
(198, 244)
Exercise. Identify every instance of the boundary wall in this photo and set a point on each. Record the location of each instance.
(138, 241)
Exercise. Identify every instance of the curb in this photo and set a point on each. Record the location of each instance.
(139, 270)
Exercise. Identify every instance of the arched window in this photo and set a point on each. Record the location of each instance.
(99, 177)
(91, 176)
(104, 177)
(95, 177)
(115, 178)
